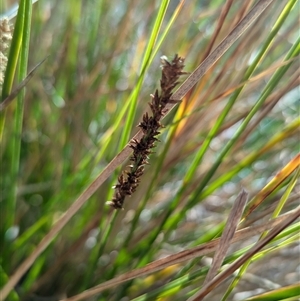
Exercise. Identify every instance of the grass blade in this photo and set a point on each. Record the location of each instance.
(20, 44)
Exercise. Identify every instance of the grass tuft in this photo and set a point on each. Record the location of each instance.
(232, 125)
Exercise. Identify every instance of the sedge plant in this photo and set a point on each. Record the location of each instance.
(182, 106)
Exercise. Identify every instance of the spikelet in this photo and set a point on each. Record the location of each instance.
(129, 180)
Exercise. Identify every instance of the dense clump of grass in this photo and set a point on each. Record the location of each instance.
(233, 123)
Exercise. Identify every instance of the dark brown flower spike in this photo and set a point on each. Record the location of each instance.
(129, 180)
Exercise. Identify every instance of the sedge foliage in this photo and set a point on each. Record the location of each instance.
(237, 127)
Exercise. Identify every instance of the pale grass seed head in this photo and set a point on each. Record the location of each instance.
(5, 39)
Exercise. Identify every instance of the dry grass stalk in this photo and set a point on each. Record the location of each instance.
(277, 224)
(228, 233)
(23, 83)
(239, 262)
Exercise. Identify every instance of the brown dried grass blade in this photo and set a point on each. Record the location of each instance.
(228, 233)
(224, 13)
(23, 83)
(258, 77)
(239, 262)
(221, 49)
(180, 257)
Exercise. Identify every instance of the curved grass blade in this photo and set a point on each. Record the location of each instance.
(273, 184)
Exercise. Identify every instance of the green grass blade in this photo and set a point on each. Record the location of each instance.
(283, 293)
(162, 157)
(145, 64)
(294, 51)
(167, 29)
(174, 286)
(289, 130)
(97, 252)
(11, 68)
(286, 194)
(23, 239)
(148, 57)
(276, 212)
(106, 140)
(13, 296)
(25, 15)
